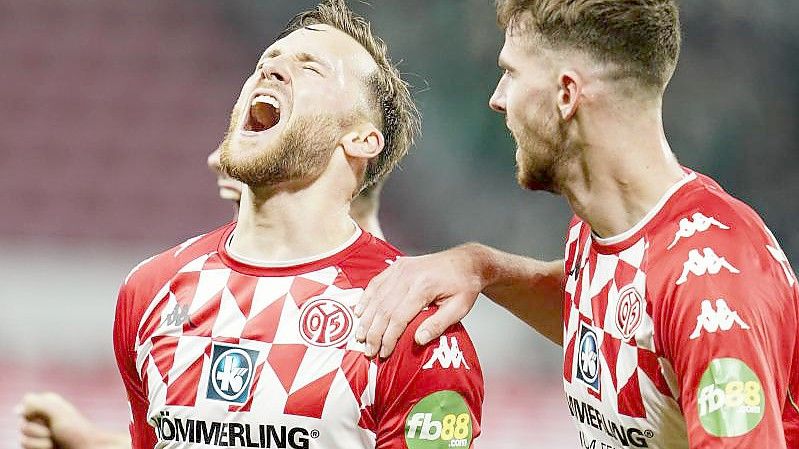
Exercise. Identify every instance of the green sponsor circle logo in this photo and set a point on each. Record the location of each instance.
(730, 398)
(440, 420)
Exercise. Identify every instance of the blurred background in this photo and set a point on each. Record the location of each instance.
(110, 108)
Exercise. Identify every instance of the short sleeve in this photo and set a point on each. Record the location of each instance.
(429, 396)
(728, 327)
(141, 433)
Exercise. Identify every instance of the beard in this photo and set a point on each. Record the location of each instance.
(542, 153)
(299, 154)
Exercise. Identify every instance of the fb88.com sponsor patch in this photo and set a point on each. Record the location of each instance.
(730, 398)
(440, 420)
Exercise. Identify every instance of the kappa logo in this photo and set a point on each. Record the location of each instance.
(575, 271)
(178, 316)
(779, 255)
(697, 223)
(706, 262)
(448, 354)
(720, 319)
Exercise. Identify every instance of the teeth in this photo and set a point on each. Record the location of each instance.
(268, 99)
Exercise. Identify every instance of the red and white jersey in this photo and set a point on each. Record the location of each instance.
(216, 351)
(682, 332)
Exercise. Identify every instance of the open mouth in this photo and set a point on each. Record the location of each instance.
(264, 113)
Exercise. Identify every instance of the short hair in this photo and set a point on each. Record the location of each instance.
(391, 101)
(641, 37)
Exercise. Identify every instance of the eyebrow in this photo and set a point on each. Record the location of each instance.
(301, 57)
(308, 57)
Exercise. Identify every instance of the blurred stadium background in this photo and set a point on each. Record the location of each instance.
(109, 109)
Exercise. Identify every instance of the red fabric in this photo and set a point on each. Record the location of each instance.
(402, 382)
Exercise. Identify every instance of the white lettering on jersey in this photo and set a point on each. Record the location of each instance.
(706, 262)
(447, 355)
(697, 223)
(720, 319)
(779, 255)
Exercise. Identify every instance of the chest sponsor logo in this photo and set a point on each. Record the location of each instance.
(231, 373)
(231, 434)
(698, 222)
(706, 262)
(440, 420)
(629, 311)
(588, 358)
(711, 320)
(624, 436)
(325, 323)
(448, 355)
(730, 398)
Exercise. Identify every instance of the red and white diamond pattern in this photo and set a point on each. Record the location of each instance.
(291, 378)
(634, 390)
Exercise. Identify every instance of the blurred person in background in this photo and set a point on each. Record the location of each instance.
(677, 310)
(51, 421)
(244, 336)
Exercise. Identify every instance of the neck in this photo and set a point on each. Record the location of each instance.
(624, 168)
(278, 224)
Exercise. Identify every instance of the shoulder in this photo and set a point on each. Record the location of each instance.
(707, 213)
(369, 259)
(715, 250)
(709, 228)
(452, 350)
(154, 271)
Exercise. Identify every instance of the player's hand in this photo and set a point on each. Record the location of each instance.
(49, 421)
(34, 434)
(450, 279)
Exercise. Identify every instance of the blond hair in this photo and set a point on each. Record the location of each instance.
(391, 102)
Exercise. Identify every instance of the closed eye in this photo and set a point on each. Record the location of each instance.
(312, 69)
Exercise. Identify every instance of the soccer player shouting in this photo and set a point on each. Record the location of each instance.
(50, 421)
(244, 337)
(676, 308)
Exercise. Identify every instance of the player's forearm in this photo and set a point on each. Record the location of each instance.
(112, 440)
(530, 289)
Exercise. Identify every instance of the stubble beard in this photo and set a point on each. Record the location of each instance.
(299, 155)
(544, 152)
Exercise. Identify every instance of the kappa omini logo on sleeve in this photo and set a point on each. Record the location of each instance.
(706, 262)
(711, 320)
(779, 255)
(698, 222)
(448, 354)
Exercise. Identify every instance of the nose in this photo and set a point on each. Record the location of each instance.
(497, 101)
(275, 71)
(213, 160)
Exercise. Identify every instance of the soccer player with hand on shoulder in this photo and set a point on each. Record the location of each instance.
(244, 336)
